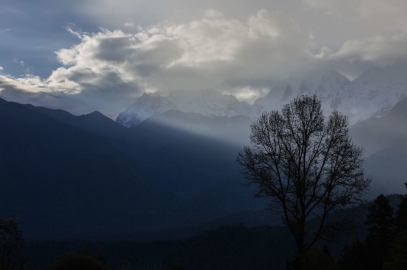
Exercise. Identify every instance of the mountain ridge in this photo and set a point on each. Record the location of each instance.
(55, 175)
(373, 94)
(206, 102)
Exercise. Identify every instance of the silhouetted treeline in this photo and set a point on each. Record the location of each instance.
(385, 246)
(380, 230)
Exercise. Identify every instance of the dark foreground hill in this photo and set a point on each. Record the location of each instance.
(62, 181)
(69, 176)
(190, 155)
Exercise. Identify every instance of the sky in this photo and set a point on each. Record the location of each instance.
(85, 55)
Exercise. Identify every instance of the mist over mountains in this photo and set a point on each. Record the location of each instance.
(206, 102)
(373, 94)
(373, 102)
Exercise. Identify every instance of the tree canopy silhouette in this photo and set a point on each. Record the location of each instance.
(380, 221)
(85, 260)
(306, 165)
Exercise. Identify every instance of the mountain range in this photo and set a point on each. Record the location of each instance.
(70, 176)
(64, 181)
(373, 94)
(206, 102)
(170, 162)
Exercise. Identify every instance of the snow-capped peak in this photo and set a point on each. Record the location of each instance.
(144, 107)
(374, 93)
(327, 85)
(207, 102)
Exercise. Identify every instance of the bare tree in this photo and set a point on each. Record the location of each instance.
(307, 166)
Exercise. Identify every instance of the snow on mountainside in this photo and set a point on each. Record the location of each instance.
(329, 86)
(205, 102)
(212, 103)
(145, 107)
(373, 94)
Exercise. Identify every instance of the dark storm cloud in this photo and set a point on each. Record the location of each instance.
(114, 50)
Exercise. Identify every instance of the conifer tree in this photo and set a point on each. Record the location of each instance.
(380, 220)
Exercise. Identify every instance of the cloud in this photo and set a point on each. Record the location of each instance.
(355, 56)
(13, 91)
(373, 14)
(1, 68)
(211, 13)
(383, 40)
(27, 69)
(4, 30)
(113, 13)
(325, 6)
(242, 57)
(388, 15)
(129, 24)
(214, 52)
